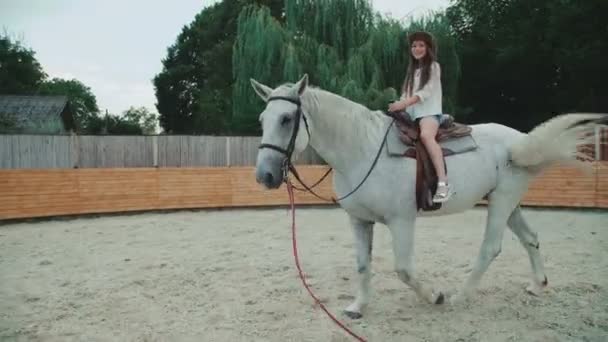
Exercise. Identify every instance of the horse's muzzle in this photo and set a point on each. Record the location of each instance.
(269, 172)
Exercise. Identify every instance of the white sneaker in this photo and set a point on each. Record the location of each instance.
(444, 192)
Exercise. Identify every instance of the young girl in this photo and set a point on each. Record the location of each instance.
(422, 97)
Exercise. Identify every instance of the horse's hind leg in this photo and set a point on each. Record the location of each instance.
(363, 233)
(499, 210)
(402, 232)
(529, 240)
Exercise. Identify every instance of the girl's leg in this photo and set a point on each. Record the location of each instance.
(428, 131)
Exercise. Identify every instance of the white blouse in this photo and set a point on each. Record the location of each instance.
(430, 95)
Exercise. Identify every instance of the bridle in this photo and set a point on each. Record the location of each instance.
(287, 163)
(296, 127)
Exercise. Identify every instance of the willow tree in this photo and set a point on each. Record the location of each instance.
(343, 45)
(258, 52)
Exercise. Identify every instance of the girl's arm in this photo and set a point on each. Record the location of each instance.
(426, 91)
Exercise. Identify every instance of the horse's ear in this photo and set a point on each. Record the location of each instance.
(260, 89)
(302, 84)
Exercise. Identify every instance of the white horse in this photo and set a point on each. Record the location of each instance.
(347, 136)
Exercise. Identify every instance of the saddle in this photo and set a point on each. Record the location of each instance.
(403, 141)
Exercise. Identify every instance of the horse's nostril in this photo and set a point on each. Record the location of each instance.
(268, 178)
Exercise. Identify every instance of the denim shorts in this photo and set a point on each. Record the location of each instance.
(438, 117)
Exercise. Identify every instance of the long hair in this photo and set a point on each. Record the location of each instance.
(425, 72)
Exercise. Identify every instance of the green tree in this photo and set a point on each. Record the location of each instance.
(112, 124)
(579, 54)
(526, 61)
(82, 99)
(142, 117)
(194, 88)
(20, 72)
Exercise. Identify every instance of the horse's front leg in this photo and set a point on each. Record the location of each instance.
(402, 232)
(363, 233)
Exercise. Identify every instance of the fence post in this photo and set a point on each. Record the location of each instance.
(598, 139)
(75, 151)
(228, 151)
(155, 150)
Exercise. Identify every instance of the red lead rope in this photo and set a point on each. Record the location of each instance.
(295, 255)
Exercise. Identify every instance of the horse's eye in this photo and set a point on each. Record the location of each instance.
(285, 120)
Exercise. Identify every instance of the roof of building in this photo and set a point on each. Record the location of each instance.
(23, 110)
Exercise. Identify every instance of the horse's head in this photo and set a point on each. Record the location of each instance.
(285, 131)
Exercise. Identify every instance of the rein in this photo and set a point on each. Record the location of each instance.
(300, 273)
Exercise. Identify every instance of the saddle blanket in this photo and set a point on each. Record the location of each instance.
(397, 148)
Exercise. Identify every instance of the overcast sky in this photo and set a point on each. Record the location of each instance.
(116, 46)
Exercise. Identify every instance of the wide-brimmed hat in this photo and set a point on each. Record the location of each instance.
(423, 36)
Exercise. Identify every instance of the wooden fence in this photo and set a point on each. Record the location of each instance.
(77, 151)
(74, 151)
(58, 192)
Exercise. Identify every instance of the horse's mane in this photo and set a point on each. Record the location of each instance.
(355, 120)
(357, 111)
(360, 109)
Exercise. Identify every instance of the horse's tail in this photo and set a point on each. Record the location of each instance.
(558, 140)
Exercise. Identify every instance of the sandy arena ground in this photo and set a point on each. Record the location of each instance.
(229, 275)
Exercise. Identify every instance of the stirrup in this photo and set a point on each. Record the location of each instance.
(443, 193)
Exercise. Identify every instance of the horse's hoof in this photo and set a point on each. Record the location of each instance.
(353, 315)
(534, 290)
(537, 289)
(457, 299)
(440, 299)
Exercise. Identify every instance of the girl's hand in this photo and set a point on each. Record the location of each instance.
(397, 106)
